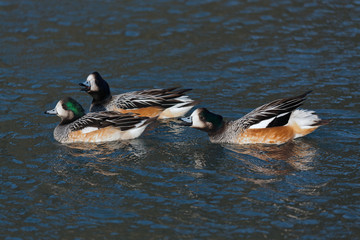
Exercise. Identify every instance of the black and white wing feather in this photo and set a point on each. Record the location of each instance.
(275, 113)
(153, 97)
(109, 118)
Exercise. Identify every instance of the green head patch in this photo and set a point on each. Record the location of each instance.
(73, 106)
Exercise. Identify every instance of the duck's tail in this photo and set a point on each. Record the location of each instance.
(179, 109)
(304, 122)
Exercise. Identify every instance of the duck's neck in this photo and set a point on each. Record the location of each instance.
(100, 105)
(101, 98)
(217, 134)
(102, 94)
(61, 132)
(71, 117)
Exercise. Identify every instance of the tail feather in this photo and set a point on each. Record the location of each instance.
(304, 122)
(304, 118)
(322, 123)
(179, 109)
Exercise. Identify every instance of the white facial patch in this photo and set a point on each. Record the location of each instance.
(91, 80)
(61, 112)
(196, 122)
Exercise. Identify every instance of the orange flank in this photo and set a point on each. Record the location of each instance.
(273, 135)
(100, 135)
(143, 112)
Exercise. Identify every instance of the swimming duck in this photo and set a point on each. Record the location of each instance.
(274, 123)
(163, 103)
(76, 126)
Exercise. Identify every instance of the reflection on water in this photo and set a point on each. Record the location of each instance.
(276, 159)
(271, 163)
(104, 150)
(107, 159)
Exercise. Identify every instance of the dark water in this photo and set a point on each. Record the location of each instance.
(172, 183)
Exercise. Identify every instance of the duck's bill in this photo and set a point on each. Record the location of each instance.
(186, 121)
(51, 112)
(85, 86)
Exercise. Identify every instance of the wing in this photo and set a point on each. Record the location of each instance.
(153, 97)
(97, 120)
(275, 113)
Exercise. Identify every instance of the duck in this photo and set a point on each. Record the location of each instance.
(160, 103)
(76, 126)
(276, 122)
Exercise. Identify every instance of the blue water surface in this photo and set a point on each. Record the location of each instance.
(172, 183)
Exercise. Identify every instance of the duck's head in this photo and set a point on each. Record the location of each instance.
(204, 120)
(68, 110)
(96, 86)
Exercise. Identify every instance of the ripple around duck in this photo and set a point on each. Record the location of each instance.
(172, 182)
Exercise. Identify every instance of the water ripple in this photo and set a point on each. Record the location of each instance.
(172, 182)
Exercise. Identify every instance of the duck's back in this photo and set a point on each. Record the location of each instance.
(162, 103)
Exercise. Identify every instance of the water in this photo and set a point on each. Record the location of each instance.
(172, 183)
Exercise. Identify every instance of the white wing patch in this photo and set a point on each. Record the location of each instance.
(265, 123)
(89, 129)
